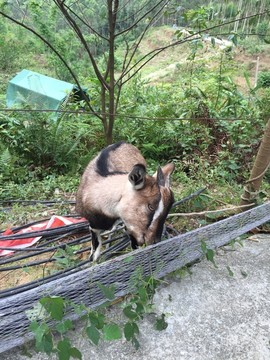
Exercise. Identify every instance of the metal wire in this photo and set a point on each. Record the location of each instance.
(47, 232)
(117, 239)
(132, 117)
(189, 197)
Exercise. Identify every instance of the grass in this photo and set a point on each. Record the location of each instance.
(59, 188)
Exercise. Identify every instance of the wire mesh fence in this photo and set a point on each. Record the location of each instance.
(80, 284)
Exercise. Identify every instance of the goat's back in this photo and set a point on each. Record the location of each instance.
(117, 158)
(100, 182)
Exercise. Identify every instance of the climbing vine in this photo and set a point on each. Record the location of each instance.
(50, 323)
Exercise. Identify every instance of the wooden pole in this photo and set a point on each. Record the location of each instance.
(260, 167)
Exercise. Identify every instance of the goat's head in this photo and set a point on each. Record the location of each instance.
(146, 202)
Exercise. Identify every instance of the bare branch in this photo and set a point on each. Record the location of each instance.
(86, 24)
(133, 14)
(124, 72)
(124, 5)
(124, 66)
(119, 84)
(77, 30)
(231, 210)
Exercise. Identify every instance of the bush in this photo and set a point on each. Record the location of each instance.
(222, 126)
(42, 146)
(264, 79)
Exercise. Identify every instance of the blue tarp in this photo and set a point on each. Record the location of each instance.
(40, 91)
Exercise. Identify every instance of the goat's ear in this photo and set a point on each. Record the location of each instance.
(163, 174)
(160, 177)
(137, 176)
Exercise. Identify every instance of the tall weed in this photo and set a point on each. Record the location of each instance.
(43, 145)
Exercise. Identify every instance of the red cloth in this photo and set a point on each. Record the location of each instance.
(55, 221)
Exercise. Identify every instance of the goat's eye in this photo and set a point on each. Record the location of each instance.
(151, 207)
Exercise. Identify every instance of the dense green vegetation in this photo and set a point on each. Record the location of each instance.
(195, 103)
(198, 103)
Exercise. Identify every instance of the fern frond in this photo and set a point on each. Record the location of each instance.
(5, 158)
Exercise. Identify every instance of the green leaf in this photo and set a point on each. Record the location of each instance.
(96, 319)
(233, 166)
(142, 294)
(93, 334)
(135, 343)
(75, 353)
(108, 291)
(112, 332)
(152, 284)
(130, 313)
(63, 349)
(79, 309)
(140, 309)
(43, 337)
(130, 329)
(34, 326)
(210, 255)
(161, 324)
(47, 344)
(231, 273)
(54, 305)
(64, 326)
(39, 330)
(203, 247)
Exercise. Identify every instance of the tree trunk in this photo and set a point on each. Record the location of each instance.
(112, 13)
(260, 167)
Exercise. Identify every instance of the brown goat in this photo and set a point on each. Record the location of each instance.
(114, 186)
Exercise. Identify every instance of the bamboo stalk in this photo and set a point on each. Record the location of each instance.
(257, 71)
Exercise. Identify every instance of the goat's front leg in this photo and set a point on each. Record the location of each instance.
(133, 242)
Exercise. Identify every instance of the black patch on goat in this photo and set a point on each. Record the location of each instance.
(100, 221)
(102, 161)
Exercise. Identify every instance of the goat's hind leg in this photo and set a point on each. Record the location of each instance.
(96, 244)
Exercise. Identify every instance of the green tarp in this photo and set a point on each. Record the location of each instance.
(40, 91)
